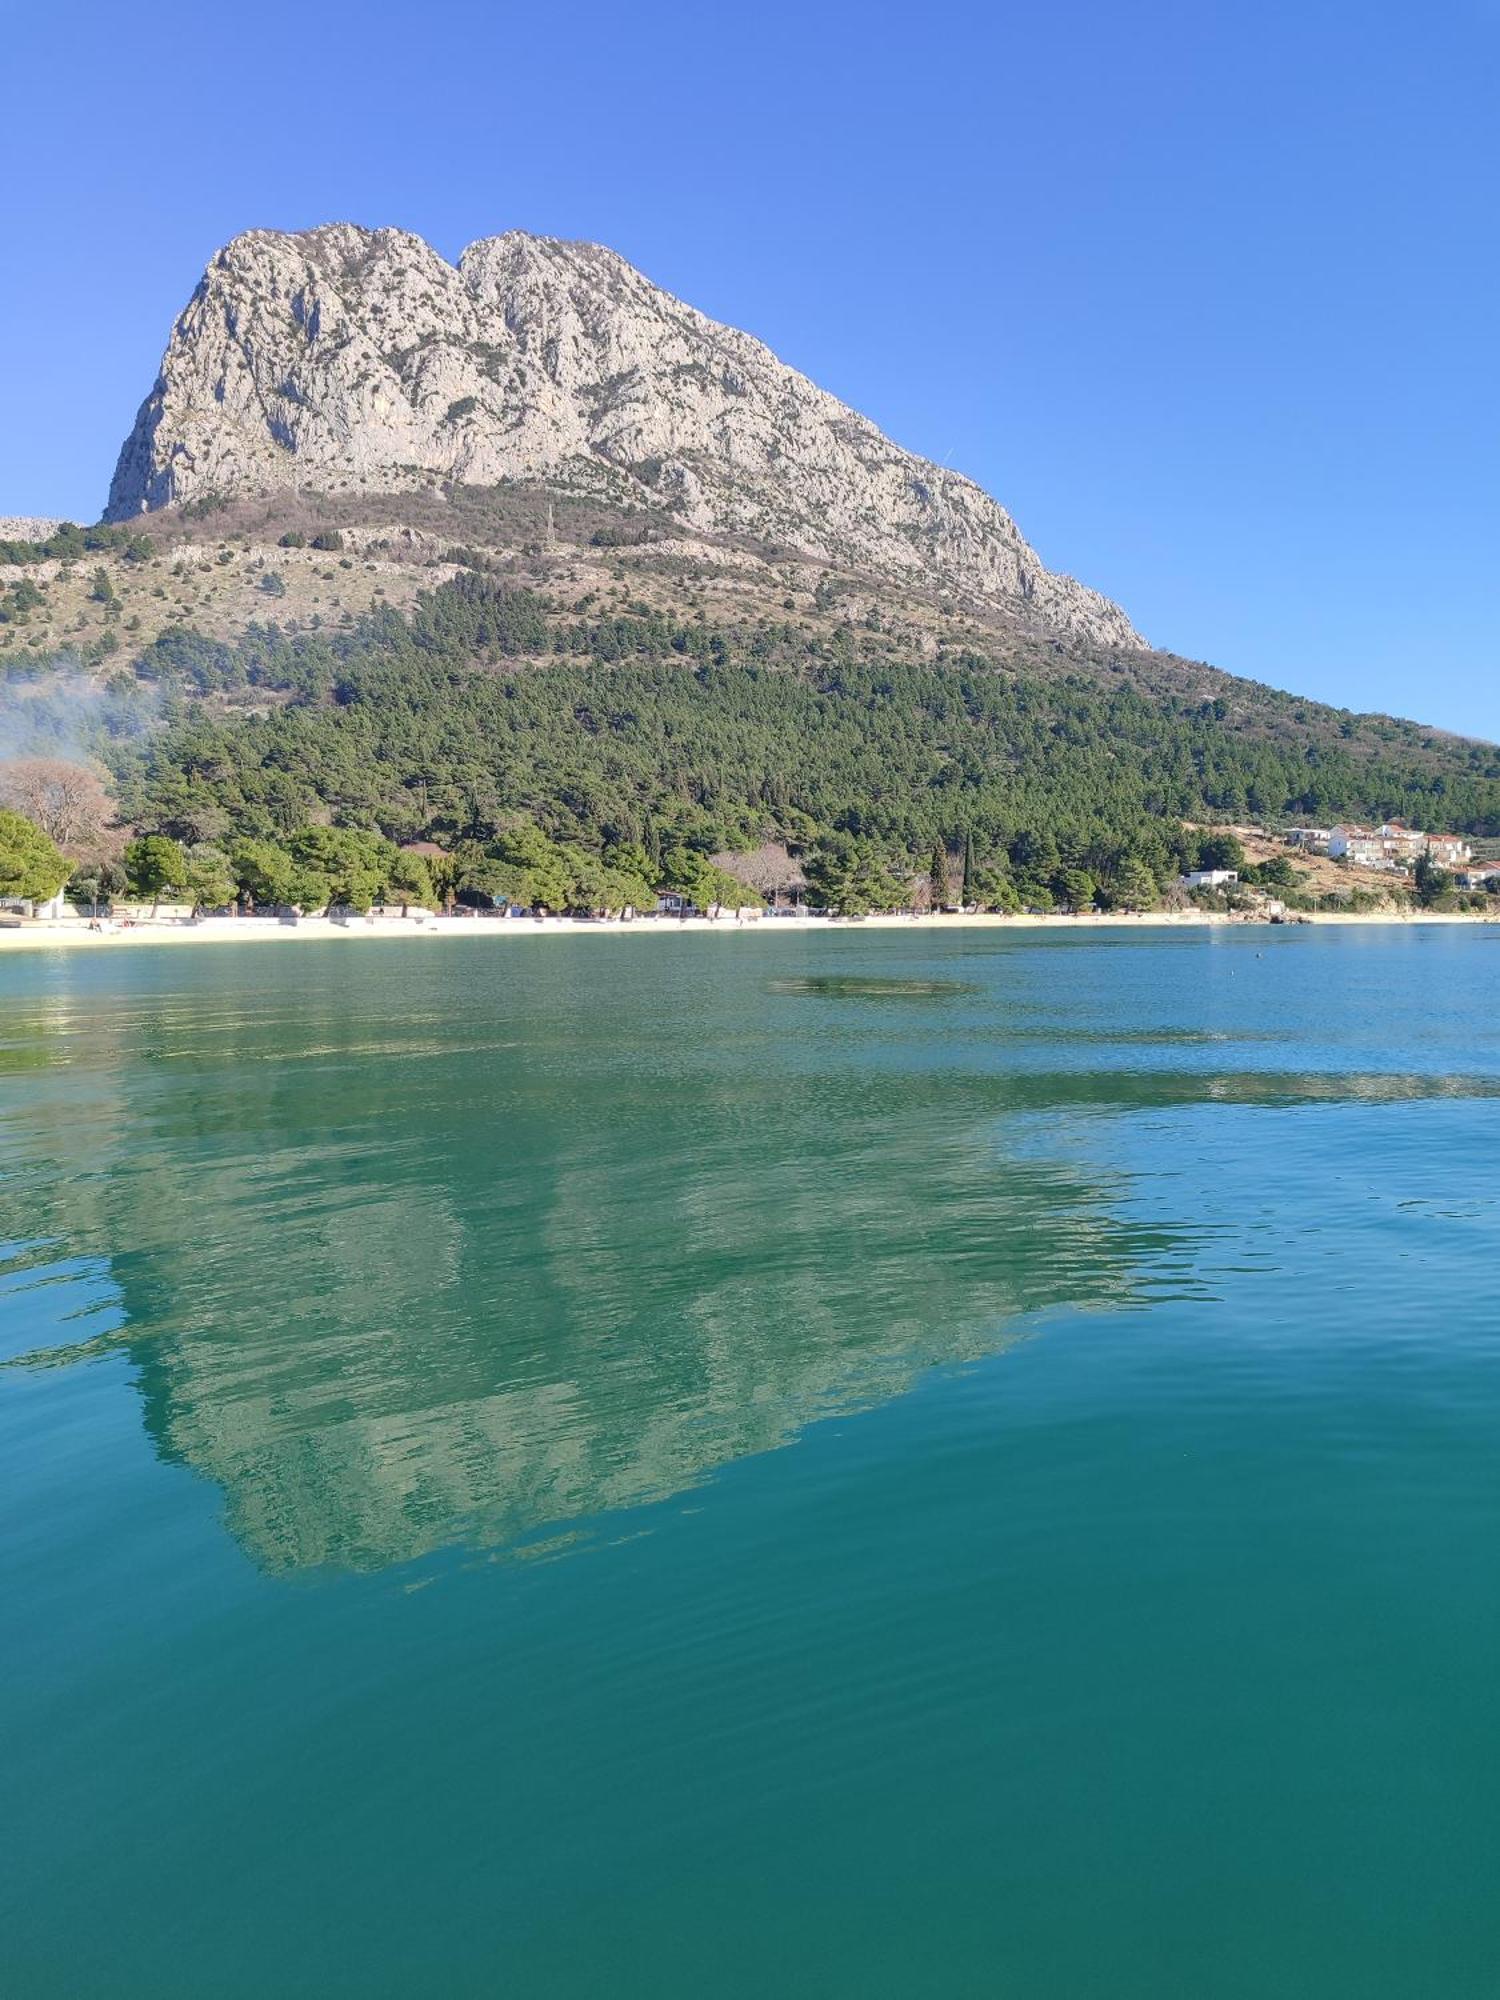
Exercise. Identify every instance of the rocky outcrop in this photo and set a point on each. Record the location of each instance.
(27, 527)
(347, 359)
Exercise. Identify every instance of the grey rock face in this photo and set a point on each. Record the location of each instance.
(347, 359)
(27, 527)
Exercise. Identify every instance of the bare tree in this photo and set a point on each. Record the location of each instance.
(67, 801)
(768, 869)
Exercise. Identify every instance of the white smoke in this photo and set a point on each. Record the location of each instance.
(62, 711)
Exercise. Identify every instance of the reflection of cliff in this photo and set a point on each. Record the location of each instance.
(393, 1297)
(369, 1403)
(568, 1320)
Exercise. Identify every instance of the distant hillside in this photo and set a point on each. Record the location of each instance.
(573, 666)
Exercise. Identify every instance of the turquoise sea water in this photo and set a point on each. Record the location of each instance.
(865, 1464)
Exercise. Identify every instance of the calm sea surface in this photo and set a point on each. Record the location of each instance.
(871, 1464)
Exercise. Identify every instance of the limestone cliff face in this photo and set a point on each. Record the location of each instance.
(347, 359)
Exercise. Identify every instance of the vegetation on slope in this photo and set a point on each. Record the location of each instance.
(577, 712)
(638, 739)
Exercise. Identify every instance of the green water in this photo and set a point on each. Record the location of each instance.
(867, 1465)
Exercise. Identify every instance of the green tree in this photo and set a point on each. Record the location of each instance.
(991, 888)
(1275, 873)
(1131, 887)
(1077, 888)
(265, 873)
(717, 888)
(354, 864)
(94, 880)
(480, 874)
(534, 869)
(850, 876)
(154, 864)
(410, 881)
(1034, 894)
(629, 889)
(967, 897)
(694, 875)
(1034, 855)
(600, 889)
(588, 892)
(1220, 850)
(208, 879)
(1432, 883)
(30, 865)
(937, 875)
(22, 598)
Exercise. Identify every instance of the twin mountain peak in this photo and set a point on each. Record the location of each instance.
(348, 360)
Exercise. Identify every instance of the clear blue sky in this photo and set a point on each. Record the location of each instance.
(1206, 294)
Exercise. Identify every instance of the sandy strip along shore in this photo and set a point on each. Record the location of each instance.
(71, 934)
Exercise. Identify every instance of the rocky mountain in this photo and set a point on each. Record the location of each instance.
(345, 361)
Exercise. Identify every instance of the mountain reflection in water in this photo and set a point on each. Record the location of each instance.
(431, 1257)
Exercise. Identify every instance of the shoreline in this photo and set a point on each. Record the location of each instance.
(73, 933)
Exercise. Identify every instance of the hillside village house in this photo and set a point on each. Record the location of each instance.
(1395, 845)
(1315, 838)
(1479, 874)
(1362, 847)
(1448, 851)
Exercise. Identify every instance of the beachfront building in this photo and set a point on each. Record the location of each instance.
(1209, 878)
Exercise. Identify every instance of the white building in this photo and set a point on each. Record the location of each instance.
(1448, 850)
(1362, 847)
(1396, 845)
(1209, 878)
(24, 906)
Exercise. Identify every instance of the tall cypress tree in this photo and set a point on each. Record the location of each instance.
(968, 890)
(938, 870)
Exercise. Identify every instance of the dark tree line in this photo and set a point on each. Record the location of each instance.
(633, 733)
